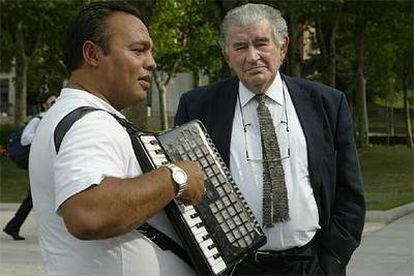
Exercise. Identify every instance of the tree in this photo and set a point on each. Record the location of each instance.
(327, 21)
(362, 111)
(223, 7)
(376, 28)
(189, 44)
(169, 43)
(31, 32)
(404, 65)
(362, 19)
(299, 18)
(385, 86)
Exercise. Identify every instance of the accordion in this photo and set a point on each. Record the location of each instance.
(221, 230)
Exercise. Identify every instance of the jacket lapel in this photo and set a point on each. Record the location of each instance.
(309, 109)
(221, 114)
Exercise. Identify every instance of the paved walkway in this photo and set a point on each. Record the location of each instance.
(386, 249)
(20, 258)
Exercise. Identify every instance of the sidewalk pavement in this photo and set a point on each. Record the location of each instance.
(388, 251)
(387, 248)
(19, 258)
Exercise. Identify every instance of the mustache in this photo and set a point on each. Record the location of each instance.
(247, 67)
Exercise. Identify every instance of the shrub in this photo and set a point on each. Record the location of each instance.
(5, 131)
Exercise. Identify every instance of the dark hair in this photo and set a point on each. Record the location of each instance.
(42, 99)
(89, 24)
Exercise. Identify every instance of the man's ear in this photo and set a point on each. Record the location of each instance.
(284, 49)
(91, 53)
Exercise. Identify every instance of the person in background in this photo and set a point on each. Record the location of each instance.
(92, 195)
(45, 101)
(290, 148)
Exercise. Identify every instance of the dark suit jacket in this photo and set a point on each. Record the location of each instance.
(333, 163)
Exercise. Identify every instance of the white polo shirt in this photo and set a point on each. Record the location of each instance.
(95, 147)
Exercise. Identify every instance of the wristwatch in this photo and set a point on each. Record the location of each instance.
(180, 178)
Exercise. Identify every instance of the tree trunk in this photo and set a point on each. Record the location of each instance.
(163, 107)
(362, 110)
(363, 139)
(295, 56)
(410, 142)
(387, 121)
(392, 128)
(138, 115)
(322, 45)
(224, 6)
(162, 96)
(326, 28)
(196, 78)
(332, 58)
(21, 66)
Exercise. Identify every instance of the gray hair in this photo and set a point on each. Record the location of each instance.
(251, 13)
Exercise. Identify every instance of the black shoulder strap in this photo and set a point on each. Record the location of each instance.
(66, 123)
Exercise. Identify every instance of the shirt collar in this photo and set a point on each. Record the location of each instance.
(274, 92)
(98, 102)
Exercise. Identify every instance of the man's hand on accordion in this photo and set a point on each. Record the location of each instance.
(194, 192)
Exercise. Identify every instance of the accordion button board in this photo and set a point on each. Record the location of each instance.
(221, 230)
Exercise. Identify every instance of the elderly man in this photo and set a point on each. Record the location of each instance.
(91, 196)
(289, 145)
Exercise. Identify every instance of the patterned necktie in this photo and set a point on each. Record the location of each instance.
(275, 201)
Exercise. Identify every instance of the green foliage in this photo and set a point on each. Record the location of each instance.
(5, 131)
(185, 36)
(388, 41)
(185, 33)
(43, 26)
(403, 37)
(397, 102)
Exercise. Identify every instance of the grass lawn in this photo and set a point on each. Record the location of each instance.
(13, 182)
(387, 173)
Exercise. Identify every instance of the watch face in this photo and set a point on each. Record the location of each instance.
(180, 176)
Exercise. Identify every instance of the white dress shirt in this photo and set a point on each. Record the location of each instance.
(29, 130)
(248, 174)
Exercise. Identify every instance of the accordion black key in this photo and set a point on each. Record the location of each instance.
(221, 230)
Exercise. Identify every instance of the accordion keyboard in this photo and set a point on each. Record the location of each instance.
(222, 225)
